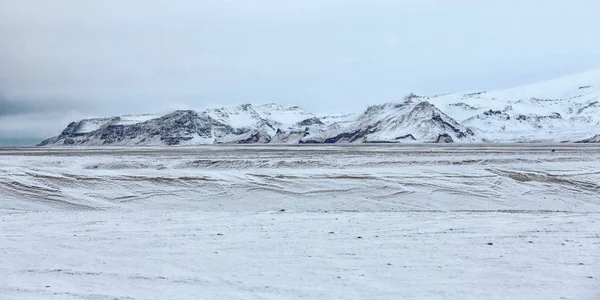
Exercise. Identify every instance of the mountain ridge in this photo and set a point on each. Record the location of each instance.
(566, 109)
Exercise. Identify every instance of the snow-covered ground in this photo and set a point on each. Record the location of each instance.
(303, 178)
(301, 222)
(195, 255)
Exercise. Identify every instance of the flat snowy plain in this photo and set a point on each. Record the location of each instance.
(301, 222)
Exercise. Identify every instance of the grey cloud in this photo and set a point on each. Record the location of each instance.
(15, 107)
(28, 121)
(35, 125)
(8, 108)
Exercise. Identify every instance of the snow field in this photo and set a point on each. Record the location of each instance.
(301, 222)
(281, 255)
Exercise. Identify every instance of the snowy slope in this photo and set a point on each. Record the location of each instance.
(286, 116)
(417, 121)
(91, 125)
(563, 109)
(335, 121)
(272, 116)
(239, 116)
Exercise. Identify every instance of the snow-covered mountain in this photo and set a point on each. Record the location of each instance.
(563, 109)
(338, 120)
(240, 124)
(410, 121)
(566, 109)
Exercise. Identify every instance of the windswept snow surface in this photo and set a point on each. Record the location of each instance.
(303, 178)
(301, 222)
(194, 255)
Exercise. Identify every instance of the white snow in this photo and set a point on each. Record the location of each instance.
(406, 122)
(196, 255)
(338, 120)
(374, 178)
(250, 116)
(359, 222)
(287, 116)
(235, 116)
(135, 119)
(91, 125)
(565, 87)
(576, 98)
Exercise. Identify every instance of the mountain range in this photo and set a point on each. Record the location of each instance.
(566, 109)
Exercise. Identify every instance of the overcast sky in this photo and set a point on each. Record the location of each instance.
(64, 60)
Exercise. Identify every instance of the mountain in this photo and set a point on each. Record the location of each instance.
(338, 120)
(239, 124)
(566, 109)
(410, 121)
(563, 109)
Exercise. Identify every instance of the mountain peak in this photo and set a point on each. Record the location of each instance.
(272, 106)
(398, 122)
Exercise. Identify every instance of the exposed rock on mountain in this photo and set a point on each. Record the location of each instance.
(239, 125)
(594, 139)
(398, 122)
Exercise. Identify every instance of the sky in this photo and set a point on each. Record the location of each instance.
(64, 60)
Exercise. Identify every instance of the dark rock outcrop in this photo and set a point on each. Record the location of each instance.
(594, 139)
